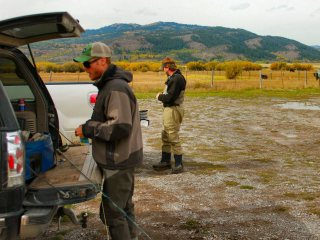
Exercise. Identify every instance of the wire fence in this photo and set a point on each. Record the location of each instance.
(215, 80)
(252, 80)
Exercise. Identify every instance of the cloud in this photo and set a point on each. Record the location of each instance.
(315, 13)
(240, 6)
(281, 7)
(146, 12)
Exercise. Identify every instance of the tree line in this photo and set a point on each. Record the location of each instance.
(232, 68)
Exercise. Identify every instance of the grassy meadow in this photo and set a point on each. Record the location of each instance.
(207, 83)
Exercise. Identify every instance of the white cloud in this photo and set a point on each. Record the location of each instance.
(241, 6)
(282, 7)
(146, 12)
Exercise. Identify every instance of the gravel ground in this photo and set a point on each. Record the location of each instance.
(251, 172)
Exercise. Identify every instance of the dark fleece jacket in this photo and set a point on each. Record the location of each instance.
(114, 126)
(174, 91)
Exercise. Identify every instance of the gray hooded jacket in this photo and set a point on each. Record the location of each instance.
(114, 126)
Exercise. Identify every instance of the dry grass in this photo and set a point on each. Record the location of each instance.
(205, 80)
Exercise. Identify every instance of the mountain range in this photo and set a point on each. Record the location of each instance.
(183, 42)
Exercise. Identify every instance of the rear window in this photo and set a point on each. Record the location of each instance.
(13, 81)
(35, 30)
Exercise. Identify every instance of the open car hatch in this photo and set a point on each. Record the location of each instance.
(38, 27)
(76, 178)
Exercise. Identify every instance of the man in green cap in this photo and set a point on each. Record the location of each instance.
(115, 130)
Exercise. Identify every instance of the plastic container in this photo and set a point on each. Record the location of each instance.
(84, 141)
(21, 105)
(39, 156)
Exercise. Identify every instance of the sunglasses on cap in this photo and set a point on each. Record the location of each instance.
(87, 64)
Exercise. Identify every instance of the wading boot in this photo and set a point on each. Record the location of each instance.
(165, 162)
(178, 166)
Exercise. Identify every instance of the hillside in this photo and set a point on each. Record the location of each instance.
(184, 42)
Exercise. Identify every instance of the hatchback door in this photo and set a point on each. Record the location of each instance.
(39, 27)
(65, 183)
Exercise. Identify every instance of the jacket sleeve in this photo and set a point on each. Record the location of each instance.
(119, 119)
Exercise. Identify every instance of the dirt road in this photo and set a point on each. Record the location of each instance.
(251, 172)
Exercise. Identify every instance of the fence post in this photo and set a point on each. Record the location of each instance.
(186, 73)
(305, 79)
(160, 78)
(212, 77)
(50, 77)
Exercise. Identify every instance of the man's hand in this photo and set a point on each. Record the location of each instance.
(78, 132)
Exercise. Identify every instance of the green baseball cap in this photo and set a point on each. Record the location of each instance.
(96, 49)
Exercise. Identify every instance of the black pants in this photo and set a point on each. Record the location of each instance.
(118, 186)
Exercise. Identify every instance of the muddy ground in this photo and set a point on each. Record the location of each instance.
(251, 172)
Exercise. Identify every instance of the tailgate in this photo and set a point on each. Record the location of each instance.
(75, 179)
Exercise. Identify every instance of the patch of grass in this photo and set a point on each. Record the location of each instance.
(191, 224)
(314, 210)
(231, 183)
(280, 209)
(247, 187)
(267, 176)
(146, 95)
(204, 167)
(65, 219)
(263, 160)
(247, 93)
(307, 196)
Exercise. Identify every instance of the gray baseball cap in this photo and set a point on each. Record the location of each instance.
(96, 49)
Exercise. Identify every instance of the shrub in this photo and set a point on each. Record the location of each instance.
(47, 67)
(232, 70)
(209, 66)
(71, 67)
(302, 67)
(196, 66)
(221, 67)
(249, 66)
(276, 66)
(123, 65)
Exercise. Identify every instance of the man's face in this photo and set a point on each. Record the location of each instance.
(94, 68)
(166, 70)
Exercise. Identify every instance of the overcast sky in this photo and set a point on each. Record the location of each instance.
(294, 19)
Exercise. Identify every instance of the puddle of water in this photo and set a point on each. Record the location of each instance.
(299, 106)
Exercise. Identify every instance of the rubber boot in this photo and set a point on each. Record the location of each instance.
(165, 162)
(178, 166)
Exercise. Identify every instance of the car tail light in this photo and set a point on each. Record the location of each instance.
(92, 99)
(15, 158)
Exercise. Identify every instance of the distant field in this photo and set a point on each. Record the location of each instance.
(206, 80)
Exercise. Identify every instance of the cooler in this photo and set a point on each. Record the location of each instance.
(39, 156)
